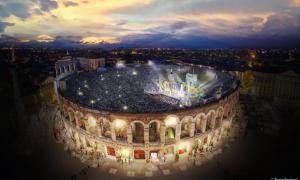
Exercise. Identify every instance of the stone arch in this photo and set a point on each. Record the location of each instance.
(78, 117)
(91, 123)
(137, 128)
(226, 111)
(105, 126)
(200, 123)
(171, 124)
(210, 119)
(171, 120)
(219, 117)
(120, 127)
(185, 124)
(65, 111)
(154, 131)
(71, 114)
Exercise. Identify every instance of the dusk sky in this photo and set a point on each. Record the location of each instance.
(151, 23)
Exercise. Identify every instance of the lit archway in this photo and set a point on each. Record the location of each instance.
(137, 132)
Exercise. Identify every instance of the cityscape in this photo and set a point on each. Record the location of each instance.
(150, 89)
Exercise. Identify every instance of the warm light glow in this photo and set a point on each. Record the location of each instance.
(97, 40)
(171, 121)
(92, 121)
(125, 152)
(184, 145)
(45, 38)
(119, 123)
(120, 64)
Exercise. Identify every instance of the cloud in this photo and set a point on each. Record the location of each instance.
(18, 9)
(168, 22)
(70, 3)
(283, 24)
(3, 11)
(3, 25)
(26, 8)
(47, 5)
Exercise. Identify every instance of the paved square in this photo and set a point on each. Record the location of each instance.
(183, 167)
(148, 174)
(166, 171)
(112, 171)
(198, 163)
(131, 173)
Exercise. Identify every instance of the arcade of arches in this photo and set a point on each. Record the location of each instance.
(144, 140)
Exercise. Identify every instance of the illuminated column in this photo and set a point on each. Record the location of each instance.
(213, 122)
(162, 133)
(147, 155)
(146, 135)
(178, 132)
(69, 116)
(76, 121)
(113, 133)
(203, 124)
(83, 141)
(221, 133)
(192, 128)
(129, 135)
(86, 124)
(99, 130)
(77, 141)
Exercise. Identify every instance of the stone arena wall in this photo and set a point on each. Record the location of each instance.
(137, 135)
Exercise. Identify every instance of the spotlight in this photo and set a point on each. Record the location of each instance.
(150, 63)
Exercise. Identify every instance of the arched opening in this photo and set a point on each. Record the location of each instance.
(65, 112)
(200, 123)
(82, 124)
(120, 129)
(71, 116)
(110, 151)
(218, 122)
(226, 111)
(105, 127)
(170, 134)
(210, 120)
(139, 154)
(92, 124)
(154, 132)
(137, 132)
(185, 128)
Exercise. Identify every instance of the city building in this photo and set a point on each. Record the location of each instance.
(89, 64)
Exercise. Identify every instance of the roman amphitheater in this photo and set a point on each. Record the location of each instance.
(145, 113)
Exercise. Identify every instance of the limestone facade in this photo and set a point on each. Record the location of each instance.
(139, 135)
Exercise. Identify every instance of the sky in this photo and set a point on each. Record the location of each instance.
(151, 23)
